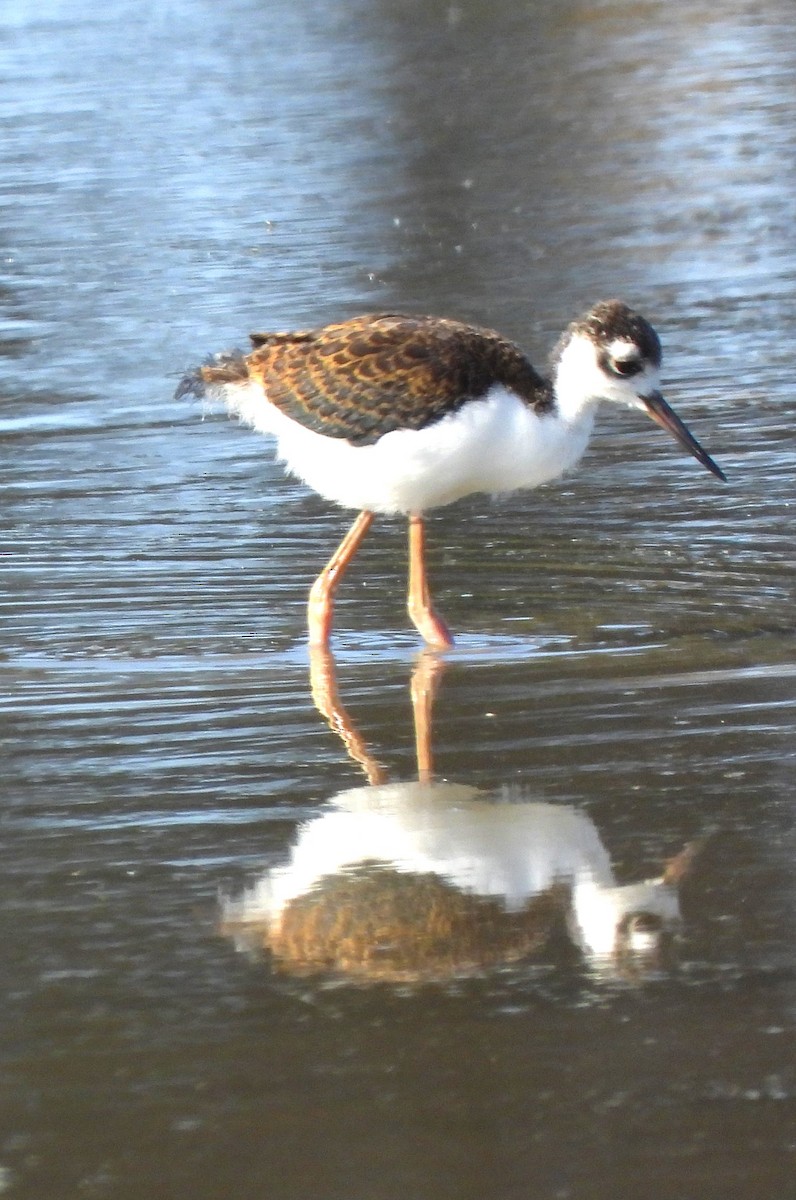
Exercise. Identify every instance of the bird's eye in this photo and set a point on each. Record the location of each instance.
(626, 366)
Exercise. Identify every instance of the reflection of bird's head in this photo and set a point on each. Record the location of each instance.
(629, 927)
(644, 944)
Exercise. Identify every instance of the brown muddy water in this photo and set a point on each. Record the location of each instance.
(560, 964)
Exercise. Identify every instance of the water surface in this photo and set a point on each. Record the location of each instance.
(625, 659)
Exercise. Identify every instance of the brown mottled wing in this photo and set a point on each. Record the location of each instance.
(363, 378)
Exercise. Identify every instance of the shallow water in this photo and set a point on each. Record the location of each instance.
(625, 657)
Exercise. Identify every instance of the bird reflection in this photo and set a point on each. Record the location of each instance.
(432, 880)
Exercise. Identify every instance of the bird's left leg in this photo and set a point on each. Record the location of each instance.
(321, 601)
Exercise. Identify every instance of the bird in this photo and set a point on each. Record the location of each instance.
(389, 413)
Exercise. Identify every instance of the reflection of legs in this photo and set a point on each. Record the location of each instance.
(323, 683)
(424, 686)
(321, 601)
(430, 626)
(426, 678)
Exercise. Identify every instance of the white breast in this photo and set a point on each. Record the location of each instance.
(497, 444)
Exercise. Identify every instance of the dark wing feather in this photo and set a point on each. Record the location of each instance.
(363, 378)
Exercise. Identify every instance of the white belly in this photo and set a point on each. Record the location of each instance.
(497, 444)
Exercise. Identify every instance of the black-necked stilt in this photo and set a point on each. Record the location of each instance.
(398, 414)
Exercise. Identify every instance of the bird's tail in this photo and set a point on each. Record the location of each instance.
(221, 371)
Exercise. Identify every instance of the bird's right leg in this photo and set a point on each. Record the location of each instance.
(428, 623)
(321, 602)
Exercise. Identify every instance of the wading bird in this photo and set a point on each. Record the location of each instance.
(399, 414)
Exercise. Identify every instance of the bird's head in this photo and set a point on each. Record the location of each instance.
(614, 354)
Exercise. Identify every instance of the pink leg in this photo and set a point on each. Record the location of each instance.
(430, 626)
(321, 601)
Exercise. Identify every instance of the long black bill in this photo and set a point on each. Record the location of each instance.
(667, 418)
